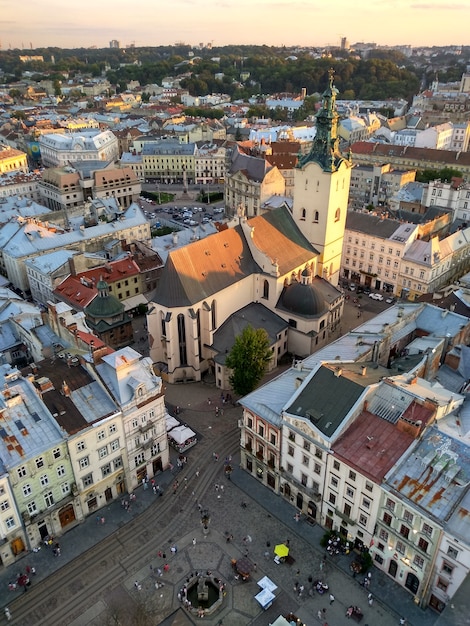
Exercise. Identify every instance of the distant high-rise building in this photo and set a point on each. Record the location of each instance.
(114, 43)
(345, 43)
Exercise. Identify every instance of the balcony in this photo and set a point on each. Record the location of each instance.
(311, 493)
(345, 518)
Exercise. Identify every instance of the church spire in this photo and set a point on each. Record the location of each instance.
(325, 148)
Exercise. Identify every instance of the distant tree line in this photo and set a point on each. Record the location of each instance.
(269, 70)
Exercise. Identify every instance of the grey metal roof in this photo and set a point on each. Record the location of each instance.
(435, 476)
(450, 379)
(255, 315)
(325, 399)
(254, 167)
(28, 427)
(267, 401)
(389, 402)
(370, 224)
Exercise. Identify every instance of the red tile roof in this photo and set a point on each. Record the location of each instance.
(372, 446)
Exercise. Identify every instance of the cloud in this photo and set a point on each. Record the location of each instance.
(439, 7)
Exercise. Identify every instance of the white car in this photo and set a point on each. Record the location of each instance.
(376, 296)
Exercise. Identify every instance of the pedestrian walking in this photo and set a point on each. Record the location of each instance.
(319, 614)
(138, 586)
(166, 567)
(194, 541)
(7, 614)
(402, 621)
(332, 599)
(370, 599)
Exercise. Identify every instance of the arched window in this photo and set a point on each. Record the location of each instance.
(316, 217)
(303, 215)
(214, 316)
(337, 215)
(199, 339)
(266, 290)
(182, 340)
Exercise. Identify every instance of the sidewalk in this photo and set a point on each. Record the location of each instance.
(78, 539)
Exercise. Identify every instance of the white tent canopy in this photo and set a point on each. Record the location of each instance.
(180, 434)
(171, 422)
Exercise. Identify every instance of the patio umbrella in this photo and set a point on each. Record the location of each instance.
(244, 566)
(281, 550)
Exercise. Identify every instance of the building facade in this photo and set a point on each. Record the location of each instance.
(321, 183)
(61, 149)
(139, 394)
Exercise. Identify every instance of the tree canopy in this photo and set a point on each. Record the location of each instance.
(248, 359)
(446, 175)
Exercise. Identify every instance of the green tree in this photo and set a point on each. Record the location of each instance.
(248, 359)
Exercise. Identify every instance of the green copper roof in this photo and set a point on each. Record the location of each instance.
(104, 305)
(325, 149)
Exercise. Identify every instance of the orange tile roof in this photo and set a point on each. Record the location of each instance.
(75, 293)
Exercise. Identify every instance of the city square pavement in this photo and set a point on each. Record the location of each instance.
(266, 520)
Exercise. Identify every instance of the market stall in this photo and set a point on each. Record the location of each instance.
(171, 422)
(266, 596)
(182, 438)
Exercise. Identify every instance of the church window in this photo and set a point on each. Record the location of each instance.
(214, 317)
(182, 340)
(266, 290)
(304, 214)
(316, 217)
(337, 215)
(199, 339)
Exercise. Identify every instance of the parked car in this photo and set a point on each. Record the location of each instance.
(205, 220)
(352, 287)
(367, 290)
(376, 296)
(390, 300)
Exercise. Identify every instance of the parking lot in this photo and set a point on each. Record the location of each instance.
(181, 213)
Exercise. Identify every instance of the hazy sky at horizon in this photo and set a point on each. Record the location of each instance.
(223, 22)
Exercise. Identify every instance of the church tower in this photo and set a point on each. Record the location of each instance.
(321, 189)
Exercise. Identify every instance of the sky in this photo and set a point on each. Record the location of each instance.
(40, 23)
